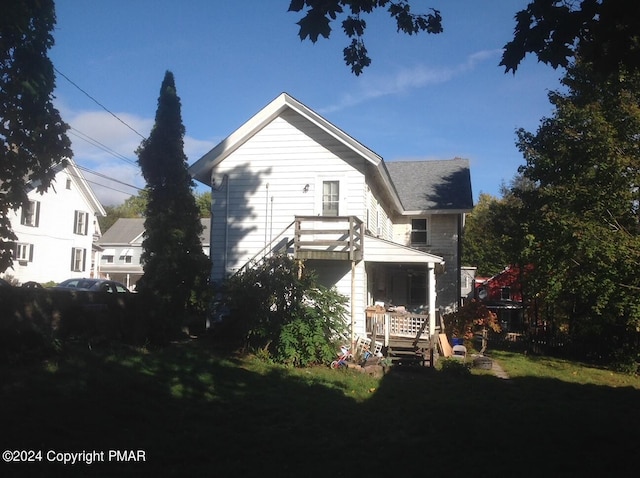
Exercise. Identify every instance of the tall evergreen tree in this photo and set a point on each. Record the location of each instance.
(32, 134)
(175, 267)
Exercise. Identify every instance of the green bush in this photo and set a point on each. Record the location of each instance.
(455, 367)
(279, 309)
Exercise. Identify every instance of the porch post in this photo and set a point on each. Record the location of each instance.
(431, 297)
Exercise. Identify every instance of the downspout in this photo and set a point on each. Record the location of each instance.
(226, 223)
(459, 261)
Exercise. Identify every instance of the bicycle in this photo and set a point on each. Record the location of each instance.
(343, 357)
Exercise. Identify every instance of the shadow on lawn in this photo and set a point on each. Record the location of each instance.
(194, 412)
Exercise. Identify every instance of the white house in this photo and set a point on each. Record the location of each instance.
(380, 232)
(122, 244)
(57, 231)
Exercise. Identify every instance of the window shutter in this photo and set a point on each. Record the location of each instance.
(30, 252)
(36, 222)
(73, 253)
(86, 223)
(84, 260)
(75, 222)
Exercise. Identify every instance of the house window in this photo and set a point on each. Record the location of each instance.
(419, 232)
(68, 183)
(81, 223)
(505, 293)
(24, 252)
(108, 259)
(126, 256)
(31, 214)
(78, 258)
(330, 198)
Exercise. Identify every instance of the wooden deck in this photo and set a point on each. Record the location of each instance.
(328, 237)
(404, 336)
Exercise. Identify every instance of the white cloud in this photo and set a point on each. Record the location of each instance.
(106, 144)
(408, 79)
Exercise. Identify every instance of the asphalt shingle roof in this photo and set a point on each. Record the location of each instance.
(125, 230)
(425, 185)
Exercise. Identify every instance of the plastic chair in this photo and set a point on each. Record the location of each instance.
(460, 352)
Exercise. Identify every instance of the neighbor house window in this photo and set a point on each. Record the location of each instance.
(108, 259)
(420, 231)
(505, 293)
(126, 256)
(330, 198)
(31, 214)
(78, 258)
(81, 223)
(24, 252)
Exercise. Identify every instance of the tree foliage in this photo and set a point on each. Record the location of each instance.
(319, 14)
(175, 267)
(279, 308)
(32, 132)
(605, 33)
(583, 214)
(136, 206)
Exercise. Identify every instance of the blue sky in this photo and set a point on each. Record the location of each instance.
(424, 97)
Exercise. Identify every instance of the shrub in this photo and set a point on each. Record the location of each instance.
(278, 307)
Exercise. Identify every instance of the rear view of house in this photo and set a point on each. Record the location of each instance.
(385, 233)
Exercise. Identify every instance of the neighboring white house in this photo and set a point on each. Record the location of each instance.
(380, 232)
(122, 244)
(57, 231)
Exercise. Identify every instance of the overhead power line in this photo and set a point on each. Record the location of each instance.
(103, 147)
(97, 102)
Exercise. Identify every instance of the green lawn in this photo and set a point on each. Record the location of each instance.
(196, 411)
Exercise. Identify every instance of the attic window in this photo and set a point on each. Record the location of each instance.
(68, 183)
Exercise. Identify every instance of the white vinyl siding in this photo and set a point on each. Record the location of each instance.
(274, 176)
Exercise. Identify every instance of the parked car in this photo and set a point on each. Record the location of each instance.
(99, 285)
(4, 283)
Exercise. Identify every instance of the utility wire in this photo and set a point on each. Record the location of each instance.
(97, 102)
(104, 176)
(85, 137)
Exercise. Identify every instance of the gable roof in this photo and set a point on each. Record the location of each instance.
(443, 185)
(127, 229)
(412, 186)
(83, 186)
(201, 169)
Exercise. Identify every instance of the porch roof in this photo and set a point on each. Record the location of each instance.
(381, 250)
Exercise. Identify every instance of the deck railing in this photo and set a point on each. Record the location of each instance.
(386, 325)
(328, 237)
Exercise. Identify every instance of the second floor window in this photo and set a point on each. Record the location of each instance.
(31, 214)
(505, 293)
(81, 223)
(330, 198)
(420, 232)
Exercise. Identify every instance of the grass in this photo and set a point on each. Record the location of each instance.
(197, 411)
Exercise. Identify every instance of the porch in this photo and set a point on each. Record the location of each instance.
(407, 338)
